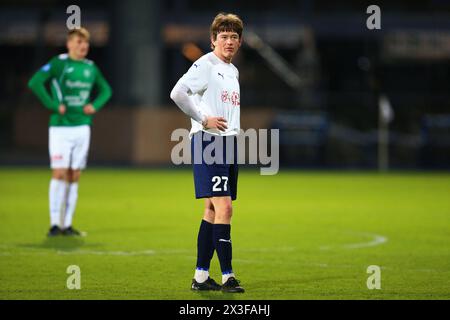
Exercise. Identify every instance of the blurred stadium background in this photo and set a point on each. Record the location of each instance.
(309, 68)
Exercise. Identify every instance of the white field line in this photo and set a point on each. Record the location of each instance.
(375, 241)
(153, 252)
(181, 252)
(107, 253)
(6, 251)
(147, 252)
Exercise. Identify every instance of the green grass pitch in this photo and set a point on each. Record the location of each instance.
(296, 235)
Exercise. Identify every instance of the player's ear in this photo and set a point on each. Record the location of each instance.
(69, 43)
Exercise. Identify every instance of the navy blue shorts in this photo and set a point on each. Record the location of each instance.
(216, 179)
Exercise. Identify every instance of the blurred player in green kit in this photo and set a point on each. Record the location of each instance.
(71, 78)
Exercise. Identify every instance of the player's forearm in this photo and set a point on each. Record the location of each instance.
(36, 84)
(103, 96)
(180, 96)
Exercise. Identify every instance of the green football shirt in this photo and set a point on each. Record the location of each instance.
(71, 83)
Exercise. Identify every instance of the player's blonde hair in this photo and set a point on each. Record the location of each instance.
(226, 22)
(80, 32)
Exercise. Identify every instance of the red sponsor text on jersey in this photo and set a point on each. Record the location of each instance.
(233, 98)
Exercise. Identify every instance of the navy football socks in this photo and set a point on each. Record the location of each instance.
(222, 242)
(205, 245)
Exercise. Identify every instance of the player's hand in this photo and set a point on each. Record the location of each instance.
(62, 109)
(89, 109)
(215, 123)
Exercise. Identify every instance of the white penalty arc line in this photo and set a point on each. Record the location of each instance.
(376, 241)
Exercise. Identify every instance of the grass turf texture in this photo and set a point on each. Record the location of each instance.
(296, 235)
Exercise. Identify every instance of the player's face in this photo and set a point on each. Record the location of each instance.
(78, 47)
(226, 45)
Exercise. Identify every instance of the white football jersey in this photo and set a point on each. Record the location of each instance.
(214, 86)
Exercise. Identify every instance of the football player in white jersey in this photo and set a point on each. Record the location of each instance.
(209, 94)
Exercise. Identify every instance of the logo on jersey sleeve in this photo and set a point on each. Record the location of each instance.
(46, 67)
(195, 67)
